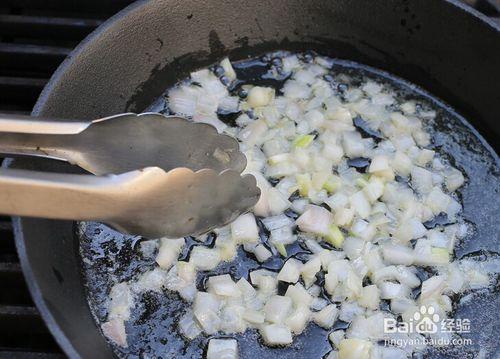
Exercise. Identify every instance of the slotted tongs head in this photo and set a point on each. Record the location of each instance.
(198, 187)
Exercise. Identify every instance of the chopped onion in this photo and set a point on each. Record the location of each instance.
(389, 290)
(276, 334)
(228, 69)
(315, 220)
(262, 253)
(153, 280)
(454, 179)
(305, 139)
(223, 285)
(169, 251)
(290, 271)
(309, 270)
(370, 297)
(360, 204)
(326, 316)
(114, 330)
(277, 308)
(299, 295)
(354, 349)
(222, 349)
(188, 327)
(204, 258)
(397, 254)
(260, 96)
(121, 301)
(275, 222)
(244, 229)
(298, 319)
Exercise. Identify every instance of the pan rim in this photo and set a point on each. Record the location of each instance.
(46, 313)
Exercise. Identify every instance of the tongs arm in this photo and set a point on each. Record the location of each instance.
(34, 136)
(147, 202)
(39, 125)
(60, 196)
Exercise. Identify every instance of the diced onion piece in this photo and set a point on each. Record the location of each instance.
(349, 310)
(204, 258)
(206, 309)
(331, 281)
(421, 179)
(290, 271)
(327, 316)
(223, 285)
(353, 285)
(276, 334)
(309, 270)
(280, 247)
(254, 316)
(260, 96)
(354, 349)
(121, 300)
(374, 189)
(299, 295)
(315, 220)
(169, 251)
(437, 201)
(397, 254)
(454, 179)
(336, 337)
(363, 229)
(253, 133)
(379, 163)
(283, 235)
(182, 101)
(305, 183)
(228, 69)
(360, 204)
(343, 216)
(229, 104)
(155, 280)
(222, 349)
(402, 164)
(277, 308)
(298, 319)
(335, 236)
(370, 297)
(246, 289)
(231, 316)
(114, 330)
(275, 222)
(188, 327)
(353, 146)
(277, 202)
(244, 229)
(389, 290)
(432, 287)
(186, 271)
(303, 141)
(262, 253)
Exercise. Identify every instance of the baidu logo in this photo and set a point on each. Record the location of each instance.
(424, 321)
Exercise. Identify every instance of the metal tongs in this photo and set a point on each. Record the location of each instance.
(160, 175)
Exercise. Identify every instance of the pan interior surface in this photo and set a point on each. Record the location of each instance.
(109, 257)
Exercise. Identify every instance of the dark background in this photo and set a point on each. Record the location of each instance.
(35, 37)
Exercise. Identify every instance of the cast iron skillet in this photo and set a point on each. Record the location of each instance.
(446, 48)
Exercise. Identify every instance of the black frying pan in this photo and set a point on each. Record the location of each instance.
(128, 62)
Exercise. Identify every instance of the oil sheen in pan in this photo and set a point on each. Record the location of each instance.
(109, 257)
